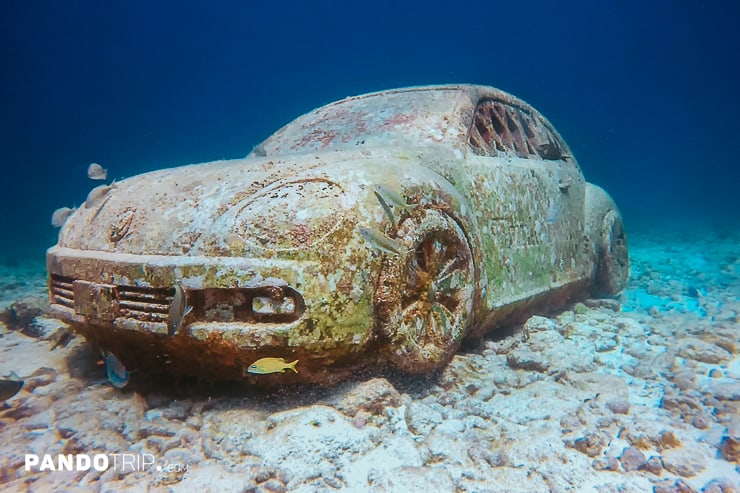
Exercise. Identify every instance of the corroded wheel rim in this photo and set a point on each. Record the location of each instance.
(425, 296)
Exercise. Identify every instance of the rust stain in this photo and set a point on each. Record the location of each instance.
(119, 230)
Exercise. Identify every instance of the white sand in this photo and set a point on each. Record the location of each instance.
(599, 400)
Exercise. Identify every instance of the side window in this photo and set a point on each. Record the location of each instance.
(500, 128)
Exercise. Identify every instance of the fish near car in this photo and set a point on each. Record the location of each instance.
(380, 241)
(179, 309)
(60, 216)
(97, 194)
(96, 172)
(265, 366)
(387, 196)
(115, 370)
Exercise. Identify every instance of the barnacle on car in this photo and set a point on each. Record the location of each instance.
(381, 229)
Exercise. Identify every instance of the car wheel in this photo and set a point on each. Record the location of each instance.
(613, 270)
(425, 295)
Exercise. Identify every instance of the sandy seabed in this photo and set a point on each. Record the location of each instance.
(637, 394)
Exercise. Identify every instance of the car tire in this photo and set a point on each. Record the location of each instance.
(612, 273)
(424, 298)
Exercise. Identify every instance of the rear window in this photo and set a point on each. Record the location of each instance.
(500, 128)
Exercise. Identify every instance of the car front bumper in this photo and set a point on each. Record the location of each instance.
(243, 309)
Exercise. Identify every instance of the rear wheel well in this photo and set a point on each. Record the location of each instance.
(606, 232)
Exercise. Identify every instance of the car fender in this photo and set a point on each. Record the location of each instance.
(423, 189)
(605, 235)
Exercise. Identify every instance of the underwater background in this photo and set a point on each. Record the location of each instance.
(645, 93)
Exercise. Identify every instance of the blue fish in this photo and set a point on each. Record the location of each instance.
(117, 373)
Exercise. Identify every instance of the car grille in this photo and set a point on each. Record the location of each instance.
(99, 301)
(141, 303)
(146, 304)
(62, 291)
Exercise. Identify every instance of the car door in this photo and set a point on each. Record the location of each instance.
(527, 190)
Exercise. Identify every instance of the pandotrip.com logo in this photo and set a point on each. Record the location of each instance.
(123, 463)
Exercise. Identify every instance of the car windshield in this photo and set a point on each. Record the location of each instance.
(393, 118)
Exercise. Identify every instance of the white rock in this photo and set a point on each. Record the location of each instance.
(451, 426)
(310, 441)
(412, 480)
(696, 349)
(684, 462)
(539, 324)
(395, 453)
(210, 477)
(421, 419)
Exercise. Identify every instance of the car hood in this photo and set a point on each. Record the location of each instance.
(243, 207)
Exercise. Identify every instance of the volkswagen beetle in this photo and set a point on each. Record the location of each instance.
(377, 230)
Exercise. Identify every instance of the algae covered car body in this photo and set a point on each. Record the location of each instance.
(378, 230)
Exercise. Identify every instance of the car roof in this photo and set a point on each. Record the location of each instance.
(405, 117)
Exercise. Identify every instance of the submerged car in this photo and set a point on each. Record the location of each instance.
(379, 230)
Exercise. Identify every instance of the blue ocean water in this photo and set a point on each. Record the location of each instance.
(644, 92)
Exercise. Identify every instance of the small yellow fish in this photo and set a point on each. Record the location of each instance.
(380, 241)
(179, 309)
(264, 366)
